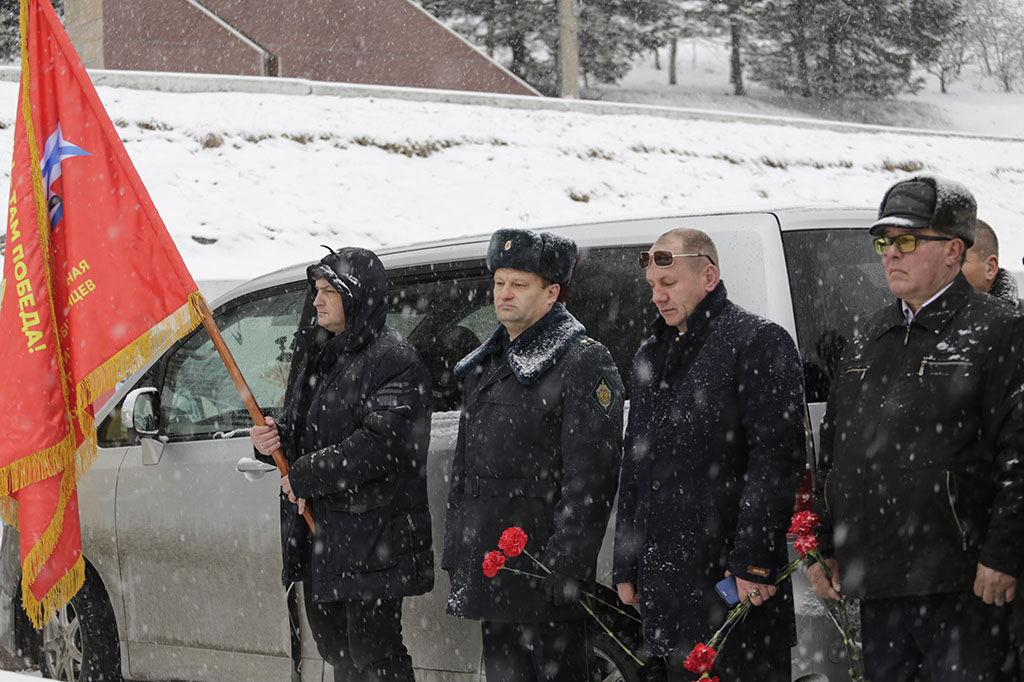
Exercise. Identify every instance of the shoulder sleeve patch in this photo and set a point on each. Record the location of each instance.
(603, 396)
(584, 340)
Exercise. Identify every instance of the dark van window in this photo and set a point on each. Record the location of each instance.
(610, 296)
(447, 310)
(836, 280)
(445, 313)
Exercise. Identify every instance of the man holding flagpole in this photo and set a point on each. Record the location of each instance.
(355, 430)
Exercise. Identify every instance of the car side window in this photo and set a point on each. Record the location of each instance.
(836, 280)
(198, 398)
(445, 314)
(447, 310)
(610, 296)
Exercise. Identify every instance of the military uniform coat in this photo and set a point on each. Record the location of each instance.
(539, 445)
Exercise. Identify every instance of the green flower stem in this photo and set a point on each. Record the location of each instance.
(611, 634)
(737, 615)
(518, 572)
(739, 612)
(585, 593)
(840, 617)
(538, 562)
(612, 607)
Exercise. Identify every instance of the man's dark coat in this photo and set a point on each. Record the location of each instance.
(715, 447)
(539, 443)
(921, 448)
(355, 428)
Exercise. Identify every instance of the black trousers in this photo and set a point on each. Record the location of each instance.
(362, 640)
(561, 651)
(952, 637)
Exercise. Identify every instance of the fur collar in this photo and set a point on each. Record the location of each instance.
(534, 351)
(1004, 286)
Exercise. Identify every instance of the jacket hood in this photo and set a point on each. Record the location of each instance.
(359, 276)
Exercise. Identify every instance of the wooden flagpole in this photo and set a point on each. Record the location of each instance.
(243, 390)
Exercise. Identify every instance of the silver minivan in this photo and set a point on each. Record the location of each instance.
(180, 523)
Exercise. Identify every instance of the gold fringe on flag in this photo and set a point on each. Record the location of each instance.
(37, 557)
(37, 466)
(51, 461)
(41, 612)
(64, 456)
(129, 360)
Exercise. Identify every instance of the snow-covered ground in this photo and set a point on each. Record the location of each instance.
(250, 182)
(974, 104)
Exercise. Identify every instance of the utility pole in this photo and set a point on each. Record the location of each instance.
(568, 50)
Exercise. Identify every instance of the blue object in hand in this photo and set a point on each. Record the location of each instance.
(726, 589)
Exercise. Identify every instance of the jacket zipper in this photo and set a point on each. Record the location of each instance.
(956, 517)
(907, 337)
(941, 363)
(828, 508)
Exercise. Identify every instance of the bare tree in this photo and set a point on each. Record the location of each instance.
(938, 32)
(949, 62)
(997, 31)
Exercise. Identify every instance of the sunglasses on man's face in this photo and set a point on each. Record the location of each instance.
(663, 259)
(905, 243)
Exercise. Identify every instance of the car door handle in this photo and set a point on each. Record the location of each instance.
(253, 468)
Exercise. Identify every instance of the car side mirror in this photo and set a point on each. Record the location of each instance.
(140, 414)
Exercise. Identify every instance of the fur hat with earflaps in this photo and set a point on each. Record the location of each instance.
(929, 201)
(551, 256)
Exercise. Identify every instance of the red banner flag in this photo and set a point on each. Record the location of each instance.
(93, 289)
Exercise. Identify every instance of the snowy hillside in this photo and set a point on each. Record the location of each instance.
(251, 182)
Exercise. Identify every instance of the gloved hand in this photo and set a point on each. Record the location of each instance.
(561, 590)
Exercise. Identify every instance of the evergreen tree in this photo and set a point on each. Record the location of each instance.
(10, 38)
(523, 34)
(834, 48)
(734, 18)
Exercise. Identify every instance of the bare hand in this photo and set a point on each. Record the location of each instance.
(302, 505)
(265, 439)
(759, 593)
(286, 488)
(994, 587)
(627, 593)
(820, 583)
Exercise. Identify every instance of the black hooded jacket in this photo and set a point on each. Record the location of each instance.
(355, 429)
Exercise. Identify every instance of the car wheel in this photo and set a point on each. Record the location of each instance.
(614, 664)
(80, 643)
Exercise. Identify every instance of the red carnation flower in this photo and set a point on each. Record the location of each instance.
(804, 544)
(493, 563)
(803, 523)
(513, 541)
(700, 659)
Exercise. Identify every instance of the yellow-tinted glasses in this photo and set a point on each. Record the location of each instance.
(905, 243)
(663, 259)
